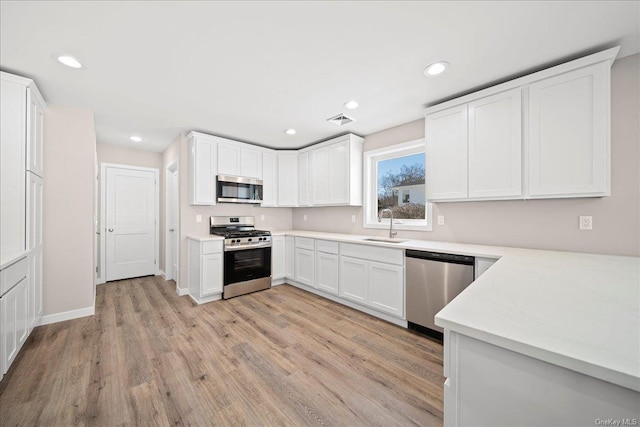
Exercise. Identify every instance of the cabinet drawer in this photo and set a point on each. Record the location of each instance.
(304, 243)
(327, 246)
(211, 247)
(13, 274)
(373, 253)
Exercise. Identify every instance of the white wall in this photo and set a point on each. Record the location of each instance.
(69, 158)
(543, 224)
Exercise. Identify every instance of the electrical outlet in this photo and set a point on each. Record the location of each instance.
(304, 217)
(198, 218)
(440, 219)
(586, 223)
(261, 217)
(353, 218)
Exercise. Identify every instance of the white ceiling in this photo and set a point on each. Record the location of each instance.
(250, 70)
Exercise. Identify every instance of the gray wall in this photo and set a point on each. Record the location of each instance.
(542, 224)
(69, 161)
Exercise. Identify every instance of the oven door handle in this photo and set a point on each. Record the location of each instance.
(248, 246)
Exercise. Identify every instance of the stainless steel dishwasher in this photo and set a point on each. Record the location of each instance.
(433, 280)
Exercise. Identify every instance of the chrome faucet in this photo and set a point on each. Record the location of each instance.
(392, 232)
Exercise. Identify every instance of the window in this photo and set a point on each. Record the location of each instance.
(395, 180)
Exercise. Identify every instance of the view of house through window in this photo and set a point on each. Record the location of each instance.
(401, 186)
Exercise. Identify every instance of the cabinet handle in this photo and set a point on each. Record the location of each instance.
(110, 230)
(171, 230)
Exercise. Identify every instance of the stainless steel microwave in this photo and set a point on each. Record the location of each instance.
(239, 189)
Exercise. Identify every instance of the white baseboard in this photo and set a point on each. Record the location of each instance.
(182, 291)
(66, 315)
(162, 273)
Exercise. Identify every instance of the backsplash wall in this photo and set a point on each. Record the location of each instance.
(538, 224)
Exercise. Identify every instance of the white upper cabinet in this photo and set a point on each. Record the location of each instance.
(228, 159)
(446, 154)
(336, 172)
(269, 178)
(203, 168)
(303, 179)
(569, 134)
(487, 146)
(250, 162)
(35, 132)
(495, 146)
(288, 178)
(239, 159)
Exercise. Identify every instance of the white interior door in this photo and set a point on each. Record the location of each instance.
(173, 225)
(130, 222)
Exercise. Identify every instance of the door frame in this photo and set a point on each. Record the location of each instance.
(172, 168)
(103, 214)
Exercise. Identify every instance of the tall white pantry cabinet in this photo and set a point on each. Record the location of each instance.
(21, 203)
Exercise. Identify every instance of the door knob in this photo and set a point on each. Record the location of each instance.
(171, 230)
(110, 230)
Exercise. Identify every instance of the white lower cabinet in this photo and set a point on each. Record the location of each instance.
(490, 385)
(304, 266)
(205, 276)
(366, 277)
(289, 255)
(15, 325)
(386, 288)
(353, 279)
(278, 258)
(327, 266)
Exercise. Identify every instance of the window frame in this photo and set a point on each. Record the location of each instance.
(370, 180)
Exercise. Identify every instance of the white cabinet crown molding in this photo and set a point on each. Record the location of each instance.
(608, 55)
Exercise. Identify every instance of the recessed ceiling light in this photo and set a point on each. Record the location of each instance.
(290, 131)
(135, 138)
(351, 104)
(436, 68)
(69, 61)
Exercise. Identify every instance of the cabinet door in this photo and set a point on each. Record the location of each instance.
(35, 134)
(211, 280)
(288, 179)
(228, 159)
(569, 134)
(269, 179)
(12, 168)
(278, 257)
(305, 262)
(327, 272)
(386, 288)
(290, 255)
(353, 279)
(319, 184)
(34, 210)
(250, 162)
(9, 328)
(303, 179)
(339, 179)
(495, 146)
(204, 168)
(446, 154)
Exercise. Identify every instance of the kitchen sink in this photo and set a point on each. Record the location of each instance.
(384, 240)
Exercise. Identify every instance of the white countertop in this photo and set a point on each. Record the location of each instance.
(579, 311)
(204, 237)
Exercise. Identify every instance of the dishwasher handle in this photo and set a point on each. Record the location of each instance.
(437, 256)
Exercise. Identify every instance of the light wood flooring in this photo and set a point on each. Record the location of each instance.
(277, 357)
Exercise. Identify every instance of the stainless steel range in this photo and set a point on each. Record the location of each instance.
(247, 255)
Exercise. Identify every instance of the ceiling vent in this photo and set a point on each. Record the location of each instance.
(340, 120)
